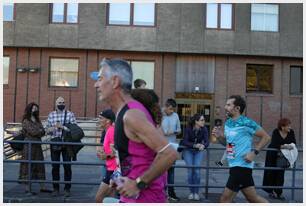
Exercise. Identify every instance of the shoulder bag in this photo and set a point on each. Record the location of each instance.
(281, 161)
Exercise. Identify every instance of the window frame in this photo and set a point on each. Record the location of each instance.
(14, 13)
(131, 17)
(8, 73)
(278, 19)
(301, 81)
(144, 60)
(258, 91)
(65, 15)
(63, 87)
(219, 17)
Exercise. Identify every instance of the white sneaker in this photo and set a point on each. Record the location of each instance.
(190, 197)
(196, 196)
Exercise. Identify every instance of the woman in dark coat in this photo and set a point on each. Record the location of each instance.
(196, 140)
(282, 135)
(33, 130)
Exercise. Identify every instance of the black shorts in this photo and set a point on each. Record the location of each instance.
(240, 177)
(107, 177)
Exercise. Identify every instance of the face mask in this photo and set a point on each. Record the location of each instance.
(35, 113)
(61, 107)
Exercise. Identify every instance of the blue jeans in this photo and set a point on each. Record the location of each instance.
(193, 158)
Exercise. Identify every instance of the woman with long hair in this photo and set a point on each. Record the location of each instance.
(282, 136)
(195, 140)
(33, 130)
(150, 101)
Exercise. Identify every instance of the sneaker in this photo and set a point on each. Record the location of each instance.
(196, 196)
(191, 196)
(173, 197)
(67, 193)
(28, 193)
(55, 193)
(281, 197)
(46, 190)
(219, 163)
(272, 195)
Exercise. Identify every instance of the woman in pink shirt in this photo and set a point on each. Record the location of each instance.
(107, 117)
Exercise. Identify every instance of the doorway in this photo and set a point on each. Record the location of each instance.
(189, 104)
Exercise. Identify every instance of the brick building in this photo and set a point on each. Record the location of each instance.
(198, 54)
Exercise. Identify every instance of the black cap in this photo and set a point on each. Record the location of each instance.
(108, 114)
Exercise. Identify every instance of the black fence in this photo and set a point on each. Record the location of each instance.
(207, 167)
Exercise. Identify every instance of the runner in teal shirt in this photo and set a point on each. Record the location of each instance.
(238, 133)
(239, 137)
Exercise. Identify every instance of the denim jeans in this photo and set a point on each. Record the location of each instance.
(193, 158)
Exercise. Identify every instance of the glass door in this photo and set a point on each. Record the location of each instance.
(186, 108)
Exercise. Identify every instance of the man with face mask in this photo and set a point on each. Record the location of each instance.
(55, 127)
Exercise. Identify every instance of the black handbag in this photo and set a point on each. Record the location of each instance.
(75, 133)
(281, 161)
(17, 146)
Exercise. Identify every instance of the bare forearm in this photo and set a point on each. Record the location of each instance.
(222, 140)
(162, 162)
(263, 142)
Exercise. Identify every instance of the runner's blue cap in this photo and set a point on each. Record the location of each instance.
(94, 75)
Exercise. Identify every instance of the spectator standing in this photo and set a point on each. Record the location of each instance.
(171, 127)
(282, 136)
(56, 126)
(33, 130)
(195, 140)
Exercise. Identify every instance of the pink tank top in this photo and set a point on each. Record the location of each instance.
(111, 164)
(141, 158)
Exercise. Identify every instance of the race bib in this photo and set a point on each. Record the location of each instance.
(230, 150)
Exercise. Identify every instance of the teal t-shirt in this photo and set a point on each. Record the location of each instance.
(239, 137)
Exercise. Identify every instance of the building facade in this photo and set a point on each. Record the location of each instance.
(199, 54)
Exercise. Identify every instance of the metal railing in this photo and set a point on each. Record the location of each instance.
(16, 126)
(207, 166)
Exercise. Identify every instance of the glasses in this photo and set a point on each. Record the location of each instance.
(61, 102)
(202, 120)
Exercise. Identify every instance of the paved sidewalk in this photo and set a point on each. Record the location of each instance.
(14, 192)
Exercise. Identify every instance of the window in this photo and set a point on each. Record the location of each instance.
(296, 80)
(119, 14)
(264, 17)
(64, 13)
(8, 12)
(259, 78)
(140, 14)
(143, 70)
(6, 66)
(219, 16)
(64, 72)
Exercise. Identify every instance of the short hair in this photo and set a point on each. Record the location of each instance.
(139, 82)
(239, 101)
(122, 69)
(59, 99)
(171, 102)
(282, 123)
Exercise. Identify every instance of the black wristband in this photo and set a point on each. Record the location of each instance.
(256, 152)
